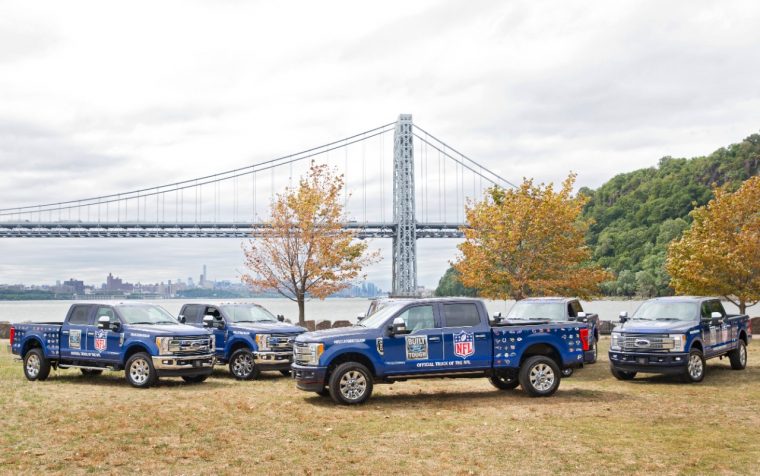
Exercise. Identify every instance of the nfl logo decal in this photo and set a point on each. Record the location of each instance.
(464, 344)
(100, 341)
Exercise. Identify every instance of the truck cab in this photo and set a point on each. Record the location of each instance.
(248, 337)
(142, 339)
(677, 335)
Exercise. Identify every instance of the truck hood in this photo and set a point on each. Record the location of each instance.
(329, 335)
(167, 330)
(267, 327)
(655, 327)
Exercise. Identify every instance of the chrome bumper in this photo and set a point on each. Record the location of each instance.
(178, 362)
(272, 358)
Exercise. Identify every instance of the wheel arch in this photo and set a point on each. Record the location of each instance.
(697, 344)
(542, 348)
(31, 343)
(132, 350)
(349, 357)
(743, 336)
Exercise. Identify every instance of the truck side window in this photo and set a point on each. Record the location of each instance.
(79, 315)
(460, 315)
(191, 314)
(105, 311)
(212, 311)
(716, 306)
(575, 308)
(705, 310)
(418, 317)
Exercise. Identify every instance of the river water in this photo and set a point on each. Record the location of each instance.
(329, 309)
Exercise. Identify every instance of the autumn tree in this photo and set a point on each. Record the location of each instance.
(303, 250)
(720, 253)
(528, 241)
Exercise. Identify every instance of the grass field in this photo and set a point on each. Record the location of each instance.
(593, 425)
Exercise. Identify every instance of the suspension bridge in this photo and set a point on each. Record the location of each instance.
(420, 193)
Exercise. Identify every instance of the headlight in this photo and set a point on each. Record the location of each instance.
(315, 352)
(615, 338)
(679, 342)
(163, 344)
(262, 341)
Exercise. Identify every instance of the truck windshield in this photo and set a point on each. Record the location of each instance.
(532, 310)
(381, 316)
(247, 313)
(147, 314)
(667, 311)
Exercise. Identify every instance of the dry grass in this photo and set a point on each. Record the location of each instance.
(593, 425)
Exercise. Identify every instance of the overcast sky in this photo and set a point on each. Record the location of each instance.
(102, 97)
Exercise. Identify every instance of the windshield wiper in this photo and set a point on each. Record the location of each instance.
(142, 322)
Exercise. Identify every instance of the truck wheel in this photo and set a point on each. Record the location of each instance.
(622, 374)
(140, 372)
(242, 365)
(36, 366)
(596, 351)
(325, 392)
(91, 372)
(286, 373)
(194, 378)
(695, 367)
(504, 381)
(350, 383)
(567, 372)
(539, 376)
(738, 356)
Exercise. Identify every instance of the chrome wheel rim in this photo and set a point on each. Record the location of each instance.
(242, 366)
(695, 366)
(541, 377)
(353, 385)
(139, 371)
(33, 365)
(742, 355)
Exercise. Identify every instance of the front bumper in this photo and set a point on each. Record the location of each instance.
(176, 365)
(656, 363)
(310, 379)
(273, 360)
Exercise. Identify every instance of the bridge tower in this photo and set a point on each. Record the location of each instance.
(405, 236)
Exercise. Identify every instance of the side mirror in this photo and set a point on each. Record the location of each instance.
(623, 316)
(582, 317)
(104, 322)
(715, 315)
(115, 325)
(181, 318)
(497, 317)
(398, 327)
(208, 321)
(360, 316)
(280, 318)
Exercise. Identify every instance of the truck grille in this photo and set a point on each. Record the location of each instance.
(190, 345)
(281, 342)
(646, 342)
(301, 353)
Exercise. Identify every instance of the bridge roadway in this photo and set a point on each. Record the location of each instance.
(77, 229)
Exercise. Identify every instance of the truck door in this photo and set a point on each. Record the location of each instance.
(220, 335)
(466, 337)
(74, 333)
(711, 331)
(727, 328)
(419, 351)
(105, 344)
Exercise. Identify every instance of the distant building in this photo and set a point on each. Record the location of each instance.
(76, 285)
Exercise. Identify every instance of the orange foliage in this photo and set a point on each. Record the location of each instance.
(528, 241)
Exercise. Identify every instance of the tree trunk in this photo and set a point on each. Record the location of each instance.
(742, 307)
(301, 307)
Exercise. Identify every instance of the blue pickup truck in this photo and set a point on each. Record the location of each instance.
(249, 338)
(676, 335)
(142, 339)
(432, 338)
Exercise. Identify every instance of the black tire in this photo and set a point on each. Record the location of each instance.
(194, 378)
(140, 372)
(350, 384)
(622, 374)
(738, 356)
(567, 372)
(539, 376)
(504, 381)
(594, 343)
(242, 365)
(285, 373)
(36, 366)
(695, 367)
(91, 372)
(325, 392)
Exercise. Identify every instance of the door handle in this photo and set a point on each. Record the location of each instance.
(480, 336)
(64, 332)
(90, 333)
(435, 339)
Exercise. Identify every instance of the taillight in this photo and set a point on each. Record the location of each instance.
(584, 338)
(13, 334)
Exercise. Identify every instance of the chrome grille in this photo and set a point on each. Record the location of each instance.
(646, 342)
(281, 342)
(190, 345)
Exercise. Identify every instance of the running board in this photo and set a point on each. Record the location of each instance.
(67, 366)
